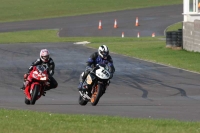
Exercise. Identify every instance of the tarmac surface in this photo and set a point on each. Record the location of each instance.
(139, 89)
(154, 19)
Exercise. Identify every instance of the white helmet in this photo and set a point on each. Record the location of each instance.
(103, 51)
(44, 55)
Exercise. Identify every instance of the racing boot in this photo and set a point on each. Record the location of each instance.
(80, 86)
(46, 88)
(23, 87)
(25, 79)
(26, 92)
(44, 92)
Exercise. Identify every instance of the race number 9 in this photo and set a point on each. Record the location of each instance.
(106, 73)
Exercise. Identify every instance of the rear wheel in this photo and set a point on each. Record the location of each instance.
(82, 101)
(34, 94)
(97, 92)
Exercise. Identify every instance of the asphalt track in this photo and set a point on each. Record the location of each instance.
(151, 20)
(139, 89)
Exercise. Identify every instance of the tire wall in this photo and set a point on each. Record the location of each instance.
(174, 38)
(191, 36)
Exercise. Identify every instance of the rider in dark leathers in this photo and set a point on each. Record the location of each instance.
(100, 57)
(47, 61)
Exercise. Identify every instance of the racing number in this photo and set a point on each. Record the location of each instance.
(104, 72)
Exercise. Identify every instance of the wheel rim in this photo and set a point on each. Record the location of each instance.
(94, 95)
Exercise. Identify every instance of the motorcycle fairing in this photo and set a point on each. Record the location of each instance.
(90, 78)
(102, 74)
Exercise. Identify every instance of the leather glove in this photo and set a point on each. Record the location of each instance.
(89, 68)
(111, 75)
(26, 75)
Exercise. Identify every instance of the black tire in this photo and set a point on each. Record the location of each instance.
(168, 34)
(168, 39)
(174, 43)
(97, 96)
(174, 39)
(169, 44)
(174, 36)
(81, 101)
(27, 101)
(34, 94)
(179, 34)
(179, 41)
(174, 33)
(180, 30)
(179, 44)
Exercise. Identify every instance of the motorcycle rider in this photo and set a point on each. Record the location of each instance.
(100, 57)
(47, 61)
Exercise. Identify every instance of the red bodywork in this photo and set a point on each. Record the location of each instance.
(35, 77)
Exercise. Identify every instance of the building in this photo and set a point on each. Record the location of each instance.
(191, 25)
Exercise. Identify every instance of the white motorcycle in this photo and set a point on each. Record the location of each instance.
(95, 85)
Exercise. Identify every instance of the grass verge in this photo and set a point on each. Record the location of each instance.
(147, 48)
(28, 121)
(15, 10)
(175, 27)
(155, 51)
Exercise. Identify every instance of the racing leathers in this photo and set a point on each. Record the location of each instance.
(95, 59)
(50, 65)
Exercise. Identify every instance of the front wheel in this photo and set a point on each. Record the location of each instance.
(97, 92)
(82, 101)
(27, 101)
(34, 94)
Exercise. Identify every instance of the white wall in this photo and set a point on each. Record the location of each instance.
(191, 13)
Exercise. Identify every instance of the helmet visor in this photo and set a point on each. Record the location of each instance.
(46, 58)
(105, 54)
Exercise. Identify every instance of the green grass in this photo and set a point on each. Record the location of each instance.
(155, 51)
(36, 122)
(51, 36)
(147, 48)
(175, 27)
(15, 10)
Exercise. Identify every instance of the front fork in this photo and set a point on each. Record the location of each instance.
(105, 85)
(29, 87)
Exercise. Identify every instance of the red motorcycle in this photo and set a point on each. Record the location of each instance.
(35, 84)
